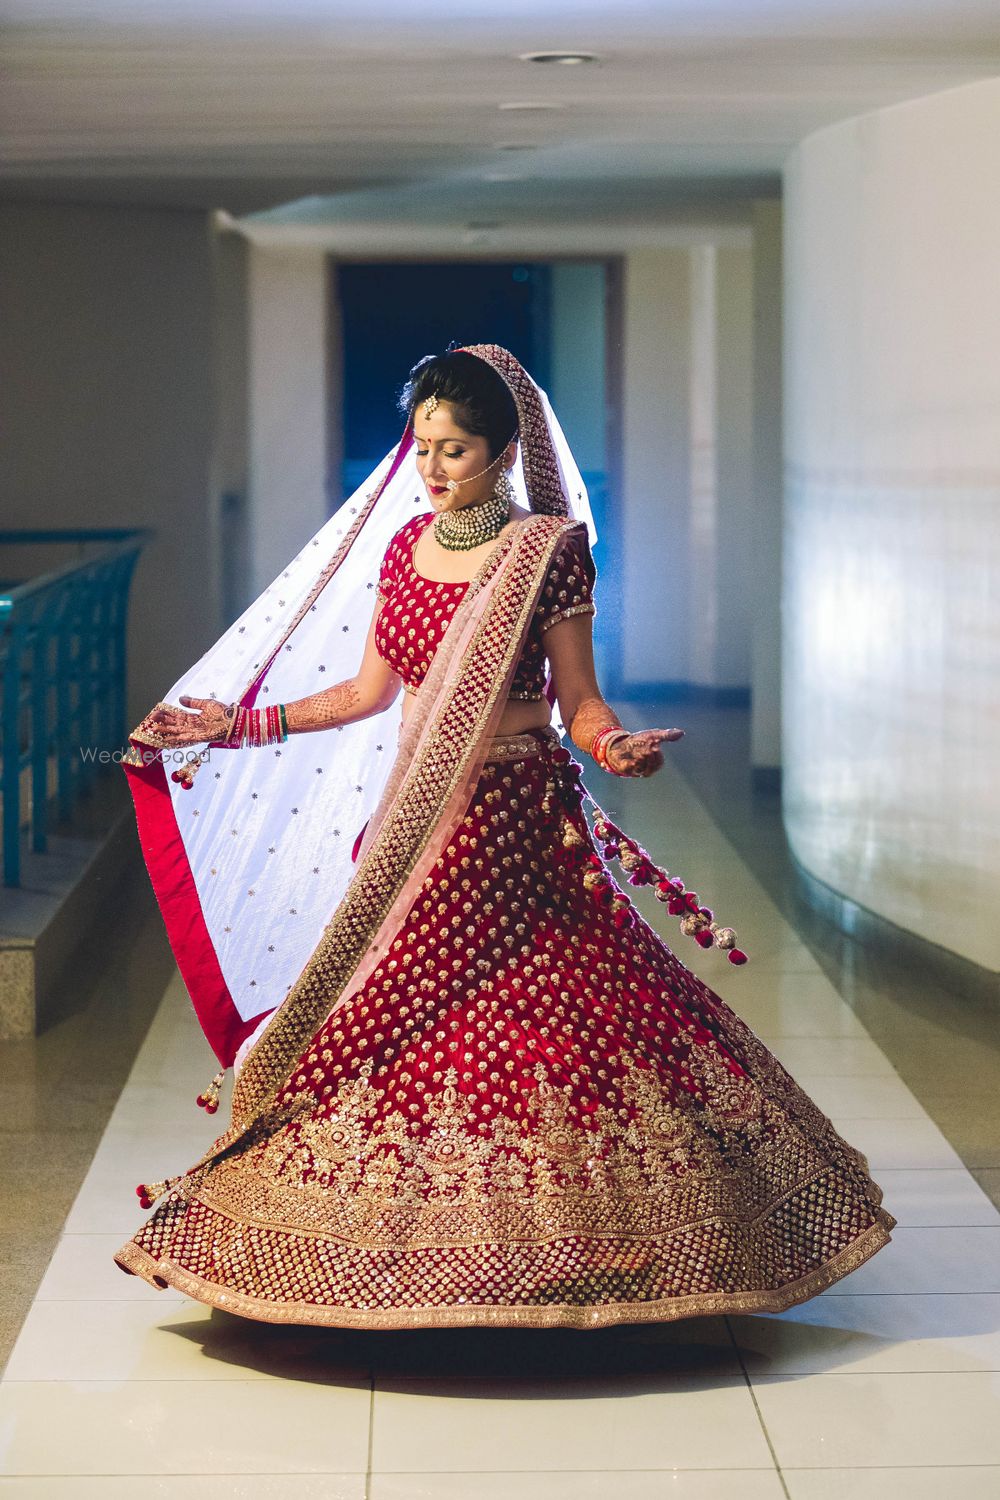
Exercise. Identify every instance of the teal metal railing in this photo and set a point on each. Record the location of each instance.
(62, 673)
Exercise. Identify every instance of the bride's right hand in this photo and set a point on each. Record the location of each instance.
(177, 727)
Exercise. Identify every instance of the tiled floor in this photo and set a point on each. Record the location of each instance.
(887, 1386)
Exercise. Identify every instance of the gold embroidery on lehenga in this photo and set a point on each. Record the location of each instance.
(732, 1100)
(427, 1177)
(546, 1140)
(502, 1126)
(524, 1206)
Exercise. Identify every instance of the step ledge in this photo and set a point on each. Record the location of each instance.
(66, 896)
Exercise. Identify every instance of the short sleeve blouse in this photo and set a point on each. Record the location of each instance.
(569, 587)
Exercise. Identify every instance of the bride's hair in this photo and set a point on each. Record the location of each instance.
(482, 401)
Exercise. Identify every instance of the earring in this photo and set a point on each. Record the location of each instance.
(504, 489)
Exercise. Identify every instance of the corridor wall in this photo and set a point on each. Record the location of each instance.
(891, 627)
(107, 405)
(688, 581)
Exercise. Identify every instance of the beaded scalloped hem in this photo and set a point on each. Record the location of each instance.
(163, 1273)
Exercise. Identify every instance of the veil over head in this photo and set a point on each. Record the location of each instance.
(249, 862)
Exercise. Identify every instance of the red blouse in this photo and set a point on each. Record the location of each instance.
(416, 612)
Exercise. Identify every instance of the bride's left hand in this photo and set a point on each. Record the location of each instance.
(640, 754)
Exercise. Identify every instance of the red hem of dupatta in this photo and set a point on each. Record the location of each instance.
(174, 885)
(177, 896)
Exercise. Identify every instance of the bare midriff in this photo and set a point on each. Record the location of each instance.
(517, 716)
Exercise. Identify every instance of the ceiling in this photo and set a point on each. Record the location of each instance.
(395, 112)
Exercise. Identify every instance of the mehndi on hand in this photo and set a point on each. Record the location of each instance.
(175, 726)
(639, 754)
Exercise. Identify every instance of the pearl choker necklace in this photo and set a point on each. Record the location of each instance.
(473, 525)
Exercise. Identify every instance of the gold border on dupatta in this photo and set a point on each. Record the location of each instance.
(542, 478)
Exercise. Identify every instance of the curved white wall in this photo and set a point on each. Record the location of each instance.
(891, 588)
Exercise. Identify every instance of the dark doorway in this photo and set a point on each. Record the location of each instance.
(562, 319)
(392, 314)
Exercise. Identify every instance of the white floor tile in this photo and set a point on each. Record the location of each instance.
(901, 1143)
(181, 1061)
(123, 1340)
(759, 925)
(774, 949)
(174, 1054)
(753, 984)
(151, 1340)
(687, 1421)
(82, 1270)
(929, 1260)
(775, 958)
(785, 957)
(862, 1097)
(183, 1487)
(848, 1334)
(829, 1055)
(793, 1005)
(771, 950)
(173, 1427)
(923, 1199)
(107, 1202)
(158, 1111)
(969, 1482)
(672, 1484)
(835, 1421)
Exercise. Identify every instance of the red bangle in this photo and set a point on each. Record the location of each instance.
(258, 726)
(601, 744)
(597, 746)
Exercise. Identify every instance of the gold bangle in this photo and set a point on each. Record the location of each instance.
(232, 710)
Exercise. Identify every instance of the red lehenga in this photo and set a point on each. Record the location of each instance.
(528, 1112)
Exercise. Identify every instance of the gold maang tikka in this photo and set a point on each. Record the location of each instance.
(430, 406)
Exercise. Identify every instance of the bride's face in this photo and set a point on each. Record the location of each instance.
(445, 451)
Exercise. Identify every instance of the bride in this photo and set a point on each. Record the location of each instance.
(473, 1085)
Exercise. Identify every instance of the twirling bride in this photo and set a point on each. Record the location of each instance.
(473, 1085)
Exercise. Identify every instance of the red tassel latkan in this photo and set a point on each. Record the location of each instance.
(209, 1100)
(696, 920)
(186, 774)
(148, 1192)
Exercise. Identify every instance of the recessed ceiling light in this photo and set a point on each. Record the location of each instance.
(529, 104)
(566, 59)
